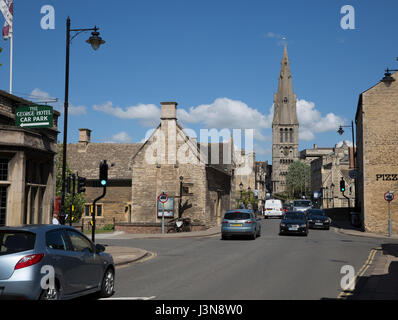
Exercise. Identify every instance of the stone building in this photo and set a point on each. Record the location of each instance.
(84, 158)
(377, 148)
(285, 128)
(308, 155)
(169, 161)
(327, 172)
(27, 167)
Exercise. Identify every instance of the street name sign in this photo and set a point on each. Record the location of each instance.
(34, 116)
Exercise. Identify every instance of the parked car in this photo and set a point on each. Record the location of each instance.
(301, 205)
(273, 208)
(29, 253)
(317, 218)
(240, 222)
(294, 222)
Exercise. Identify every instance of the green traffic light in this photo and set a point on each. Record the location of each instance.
(103, 182)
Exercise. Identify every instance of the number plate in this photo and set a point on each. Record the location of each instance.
(236, 225)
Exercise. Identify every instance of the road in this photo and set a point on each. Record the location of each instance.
(270, 267)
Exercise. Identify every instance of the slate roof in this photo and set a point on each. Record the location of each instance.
(85, 159)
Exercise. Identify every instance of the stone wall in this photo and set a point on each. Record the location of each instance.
(377, 120)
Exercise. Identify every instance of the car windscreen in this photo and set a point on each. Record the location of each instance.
(237, 216)
(316, 213)
(302, 203)
(294, 216)
(16, 241)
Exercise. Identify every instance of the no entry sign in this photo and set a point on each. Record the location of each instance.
(389, 196)
(163, 198)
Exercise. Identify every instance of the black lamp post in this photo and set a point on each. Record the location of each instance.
(241, 190)
(95, 41)
(180, 200)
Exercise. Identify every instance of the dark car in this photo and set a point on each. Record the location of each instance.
(240, 222)
(317, 219)
(294, 222)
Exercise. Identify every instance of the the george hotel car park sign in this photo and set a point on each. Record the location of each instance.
(34, 116)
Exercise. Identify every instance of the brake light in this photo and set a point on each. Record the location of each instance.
(28, 261)
(225, 222)
(249, 222)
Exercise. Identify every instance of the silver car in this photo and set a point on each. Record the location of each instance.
(52, 262)
(302, 205)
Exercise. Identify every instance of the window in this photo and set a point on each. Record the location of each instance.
(281, 135)
(3, 205)
(291, 135)
(56, 240)
(4, 169)
(87, 210)
(286, 135)
(79, 242)
(98, 212)
(15, 242)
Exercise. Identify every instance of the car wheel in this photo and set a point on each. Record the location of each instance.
(50, 294)
(108, 284)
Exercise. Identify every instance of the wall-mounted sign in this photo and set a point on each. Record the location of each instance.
(387, 177)
(34, 116)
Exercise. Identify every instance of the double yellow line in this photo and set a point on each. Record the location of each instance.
(347, 292)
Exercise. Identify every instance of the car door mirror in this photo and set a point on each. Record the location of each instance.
(99, 248)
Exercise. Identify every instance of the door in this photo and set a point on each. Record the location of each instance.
(59, 258)
(88, 271)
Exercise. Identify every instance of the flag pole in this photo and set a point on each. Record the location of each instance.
(11, 54)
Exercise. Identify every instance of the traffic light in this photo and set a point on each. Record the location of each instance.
(81, 184)
(342, 185)
(103, 174)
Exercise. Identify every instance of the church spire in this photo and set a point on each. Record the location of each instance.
(285, 100)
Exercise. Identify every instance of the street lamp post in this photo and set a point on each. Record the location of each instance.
(95, 41)
(180, 200)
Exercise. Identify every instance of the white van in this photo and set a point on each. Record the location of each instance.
(273, 208)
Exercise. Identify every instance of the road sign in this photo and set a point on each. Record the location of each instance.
(163, 198)
(388, 196)
(34, 116)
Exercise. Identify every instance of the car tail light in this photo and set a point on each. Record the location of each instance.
(249, 222)
(225, 222)
(281, 209)
(28, 261)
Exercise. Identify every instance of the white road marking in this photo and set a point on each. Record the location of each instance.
(130, 298)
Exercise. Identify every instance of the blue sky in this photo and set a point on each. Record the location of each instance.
(219, 59)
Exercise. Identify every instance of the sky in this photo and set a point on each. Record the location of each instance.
(219, 59)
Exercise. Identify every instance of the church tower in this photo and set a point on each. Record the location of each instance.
(285, 128)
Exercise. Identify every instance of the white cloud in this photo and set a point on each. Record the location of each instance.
(226, 113)
(311, 120)
(41, 96)
(147, 114)
(121, 137)
(348, 143)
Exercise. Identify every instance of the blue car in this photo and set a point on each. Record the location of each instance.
(52, 262)
(240, 222)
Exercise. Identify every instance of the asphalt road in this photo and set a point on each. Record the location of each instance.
(270, 267)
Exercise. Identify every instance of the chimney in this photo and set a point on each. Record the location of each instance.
(169, 110)
(315, 146)
(85, 136)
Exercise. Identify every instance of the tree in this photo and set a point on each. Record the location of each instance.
(80, 199)
(298, 180)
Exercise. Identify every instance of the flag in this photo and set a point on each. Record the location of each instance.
(6, 8)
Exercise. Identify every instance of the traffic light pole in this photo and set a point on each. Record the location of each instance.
(93, 213)
(72, 206)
